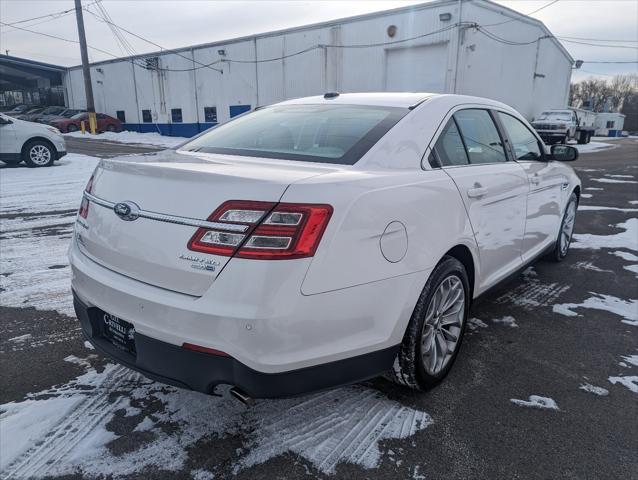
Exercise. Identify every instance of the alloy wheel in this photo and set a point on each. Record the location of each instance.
(443, 325)
(40, 155)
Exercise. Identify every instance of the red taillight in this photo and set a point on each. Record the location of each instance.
(274, 231)
(84, 206)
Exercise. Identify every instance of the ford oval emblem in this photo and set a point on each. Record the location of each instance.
(128, 211)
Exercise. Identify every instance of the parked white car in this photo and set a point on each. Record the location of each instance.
(349, 235)
(37, 145)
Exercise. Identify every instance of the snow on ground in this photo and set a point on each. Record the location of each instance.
(63, 430)
(589, 266)
(43, 203)
(125, 136)
(633, 359)
(586, 195)
(628, 309)
(532, 292)
(630, 382)
(476, 323)
(588, 387)
(612, 180)
(596, 207)
(536, 402)
(507, 320)
(627, 238)
(593, 147)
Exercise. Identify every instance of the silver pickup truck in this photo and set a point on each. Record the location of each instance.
(560, 126)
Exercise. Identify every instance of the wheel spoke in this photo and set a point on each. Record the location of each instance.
(449, 336)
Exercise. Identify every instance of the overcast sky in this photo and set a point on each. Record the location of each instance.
(182, 23)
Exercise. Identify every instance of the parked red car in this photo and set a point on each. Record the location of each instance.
(104, 123)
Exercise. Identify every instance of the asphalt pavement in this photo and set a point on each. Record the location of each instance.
(519, 346)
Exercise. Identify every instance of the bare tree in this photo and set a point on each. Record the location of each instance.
(600, 95)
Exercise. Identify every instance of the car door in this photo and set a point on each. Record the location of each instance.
(546, 182)
(8, 138)
(494, 190)
(102, 121)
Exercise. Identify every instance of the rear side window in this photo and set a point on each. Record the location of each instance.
(449, 147)
(339, 134)
(483, 142)
(524, 143)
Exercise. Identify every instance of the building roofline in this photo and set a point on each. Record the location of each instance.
(10, 59)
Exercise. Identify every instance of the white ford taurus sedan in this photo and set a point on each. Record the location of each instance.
(316, 242)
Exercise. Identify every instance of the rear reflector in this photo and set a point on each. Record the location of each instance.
(275, 231)
(199, 348)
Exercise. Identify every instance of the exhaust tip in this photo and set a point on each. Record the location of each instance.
(242, 396)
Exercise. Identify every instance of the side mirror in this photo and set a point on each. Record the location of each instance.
(563, 153)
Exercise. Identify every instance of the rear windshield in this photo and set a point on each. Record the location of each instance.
(338, 134)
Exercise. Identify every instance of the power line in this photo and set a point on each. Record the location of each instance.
(526, 14)
(600, 39)
(50, 16)
(621, 62)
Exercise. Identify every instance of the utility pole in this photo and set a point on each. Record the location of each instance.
(88, 86)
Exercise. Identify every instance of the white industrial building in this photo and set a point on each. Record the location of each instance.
(609, 124)
(473, 47)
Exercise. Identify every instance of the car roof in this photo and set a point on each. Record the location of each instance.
(380, 99)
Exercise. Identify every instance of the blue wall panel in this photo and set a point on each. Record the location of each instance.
(169, 129)
(238, 110)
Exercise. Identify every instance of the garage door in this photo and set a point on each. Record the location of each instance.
(417, 69)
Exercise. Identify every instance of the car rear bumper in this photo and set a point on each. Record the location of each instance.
(198, 371)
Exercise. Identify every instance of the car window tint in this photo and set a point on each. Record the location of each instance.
(524, 143)
(481, 137)
(449, 147)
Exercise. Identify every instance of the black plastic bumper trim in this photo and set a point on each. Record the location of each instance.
(198, 371)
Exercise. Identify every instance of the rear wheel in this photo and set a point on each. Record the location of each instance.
(566, 230)
(111, 128)
(434, 334)
(72, 128)
(38, 153)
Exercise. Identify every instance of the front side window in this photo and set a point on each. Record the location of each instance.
(339, 134)
(449, 147)
(524, 143)
(483, 142)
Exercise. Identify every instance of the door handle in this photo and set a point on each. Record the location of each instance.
(476, 192)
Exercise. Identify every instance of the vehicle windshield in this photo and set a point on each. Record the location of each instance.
(339, 134)
(556, 116)
(70, 113)
(78, 116)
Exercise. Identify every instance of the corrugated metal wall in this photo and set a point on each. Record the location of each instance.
(427, 62)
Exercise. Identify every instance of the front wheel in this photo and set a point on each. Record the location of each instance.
(38, 154)
(434, 334)
(561, 247)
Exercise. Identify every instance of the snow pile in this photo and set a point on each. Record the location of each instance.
(593, 147)
(633, 359)
(476, 323)
(630, 382)
(41, 205)
(584, 208)
(536, 402)
(628, 309)
(125, 136)
(63, 430)
(612, 180)
(588, 387)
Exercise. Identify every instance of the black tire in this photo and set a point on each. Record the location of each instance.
(72, 128)
(582, 138)
(409, 369)
(589, 135)
(560, 249)
(111, 128)
(563, 140)
(38, 153)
